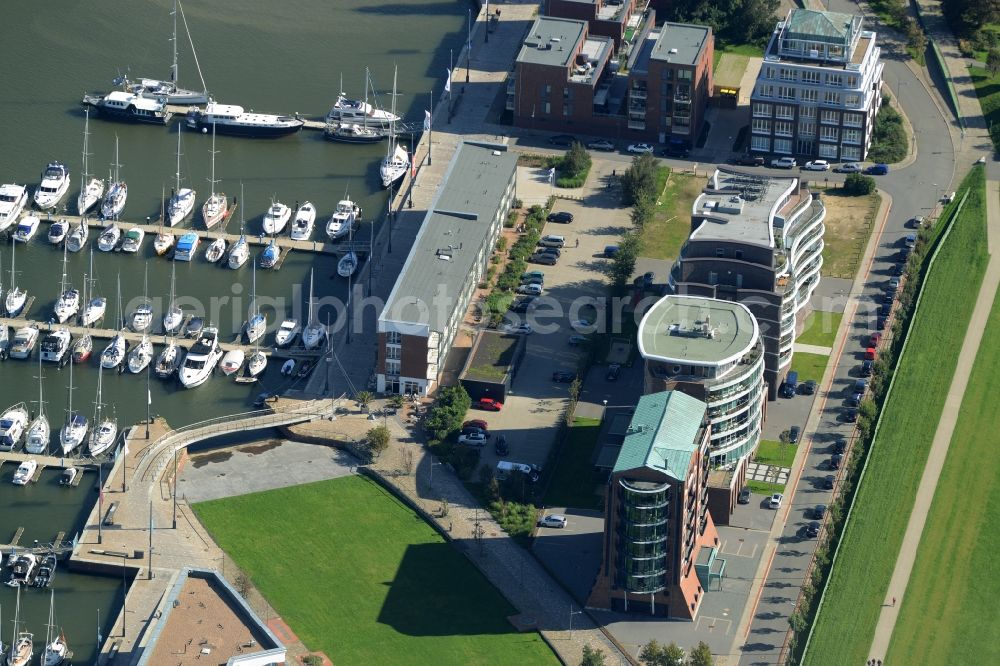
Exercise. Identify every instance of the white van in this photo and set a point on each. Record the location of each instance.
(552, 241)
(505, 469)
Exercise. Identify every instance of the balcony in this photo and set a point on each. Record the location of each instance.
(637, 93)
(636, 124)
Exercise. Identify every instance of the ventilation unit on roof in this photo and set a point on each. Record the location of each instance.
(813, 53)
(672, 51)
(555, 40)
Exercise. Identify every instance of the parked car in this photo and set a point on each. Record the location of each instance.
(816, 165)
(894, 283)
(581, 323)
(850, 415)
(809, 387)
(835, 461)
(641, 148)
(948, 198)
(575, 340)
(675, 150)
(522, 304)
(610, 251)
(647, 278)
(744, 496)
(601, 144)
(888, 297)
(853, 400)
(829, 481)
(775, 501)
(881, 321)
(870, 354)
(539, 281)
(812, 530)
(793, 434)
(861, 386)
(552, 241)
(910, 241)
(500, 446)
(839, 446)
(867, 368)
(563, 376)
(791, 384)
(531, 289)
(543, 258)
(562, 140)
(784, 163)
(562, 217)
(915, 222)
(877, 170)
(554, 520)
(473, 439)
(898, 269)
(874, 339)
(532, 276)
(476, 423)
(613, 371)
(518, 329)
(554, 251)
(848, 167)
(489, 404)
(748, 159)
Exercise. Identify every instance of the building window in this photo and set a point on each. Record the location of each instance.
(760, 144)
(566, 92)
(765, 90)
(713, 277)
(807, 112)
(850, 153)
(547, 90)
(738, 254)
(852, 81)
(854, 119)
(853, 100)
(769, 73)
(548, 108)
(810, 77)
(835, 80)
(807, 128)
(393, 338)
(829, 118)
(786, 92)
(761, 126)
(809, 95)
(392, 368)
(852, 136)
(827, 133)
(783, 146)
(784, 112)
(720, 251)
(805, 146)
(831, 97)
(392, 352)
(828, 150)
(567, 109)
(683, 74)
(783, 128)
(761, 110)
(789, 75)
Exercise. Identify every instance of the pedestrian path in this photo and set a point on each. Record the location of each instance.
(943, 435)
(812, 349)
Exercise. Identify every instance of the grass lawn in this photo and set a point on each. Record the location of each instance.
(749, 50)
(820, 329)
(368, 581)
(664, 235)
(870, 544)
(809, 366)
(960, 538)
(572, 483)
(849, 222)
(988, 91)
(764, 488)
(774, 453)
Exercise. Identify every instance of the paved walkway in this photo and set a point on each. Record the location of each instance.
(943, 435)
(812, 349)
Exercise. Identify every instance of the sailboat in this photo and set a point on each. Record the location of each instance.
(91, 189)
(217, 249)
(174, 316)
(114, 200)
(142, 318)
(397, 161)
(38, 432)
(346, 110)
(182, 199)
(114, 353)
(94, 311)
(345, 127)
(314, 333)
(16, 297)
(140, 355)
(269, 257)
(74, 431)
(56, 651)
(68, 303)
(105, 430)
(216, 207)
(169, 90)
(348, 264)
(257, 322)
(164, 239)
(22, 647)
(78, 237)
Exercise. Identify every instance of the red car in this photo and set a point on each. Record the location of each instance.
(476, 423)
(489, 404)
(876, 337)
(870, 354)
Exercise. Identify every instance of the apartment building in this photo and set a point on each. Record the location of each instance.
(606, 18)
(660, 544)
(450, 254)
(756, 240)
(819, 88)
(711, 350)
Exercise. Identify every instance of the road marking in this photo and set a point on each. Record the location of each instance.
(714, 623)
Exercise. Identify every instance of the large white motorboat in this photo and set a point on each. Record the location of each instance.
(314, 334)
(117, 196)
(13, 199)
(17, 297)
(77, 238)
(132, 242)
(182, 199)
(276, 218)
(58, 230)
(91, 189)
(12, 425)
(55, 345)
(201, 359)
(54, 185)
(140, 356)
(27, 228)
(129, 107)
(4, 340)
(105, 430)
(346, 110)
(236, 121)
(216, 207)
(24, 342)
(287, 332)
(305, 218)
(109, 237)
(25, 472)
(342, 220)
(38, 431)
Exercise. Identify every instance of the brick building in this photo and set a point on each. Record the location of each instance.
(607, 18)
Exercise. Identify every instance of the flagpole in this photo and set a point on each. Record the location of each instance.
(150, 541)
(451, 68)
(468, 56)
(430, 131)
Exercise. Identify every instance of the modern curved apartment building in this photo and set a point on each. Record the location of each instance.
(711, 350)
(756, 240)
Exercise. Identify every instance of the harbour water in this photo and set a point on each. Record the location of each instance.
(272, 57)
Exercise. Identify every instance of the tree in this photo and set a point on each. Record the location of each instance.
(592, 657)
(639, 180)
(993, 61)
(858, 185)
(378, 440)
(448, 412)
(576, 161)
(655, 654)
(363, 398)
(396, 401)
(701, 655)
(642, 212)
(623, 264)
(732, 21)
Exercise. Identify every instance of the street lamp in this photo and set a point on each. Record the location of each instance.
(432, 472)
(124, 587)
(571, 614)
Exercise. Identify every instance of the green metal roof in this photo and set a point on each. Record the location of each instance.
(811, 24)
(663, 434)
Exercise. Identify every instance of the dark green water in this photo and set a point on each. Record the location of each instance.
(273, 57)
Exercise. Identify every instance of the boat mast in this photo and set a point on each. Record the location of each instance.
(212, 180)
(69, 409)
(178, 172)
(173, 66)
(85, 178)
(41, 404)
(194, 53)
(97, 403)
(309, 323)
(366, 101)
(62, 283)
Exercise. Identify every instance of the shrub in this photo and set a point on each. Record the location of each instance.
(511, 220)
(889, 143)
(858, 185)
(445, 417)
(515, 519)
(639, 180)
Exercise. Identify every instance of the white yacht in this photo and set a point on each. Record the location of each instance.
(276, 218)
(215, 251)
(396, 162)
(109, 237)
(129, 107)
(24, 342)
(346, 110)
(201, 359)
(17, 297)
(140, 356)
(305, 218)
(105, 430)
(257, 322)
(58, 230)
(117, 195)
(24, 473)
(256, 363)
(27, 228)
(187, 245)
(56, 652)
(73, 432)
(342, 220)
(216, 207)
(91, 189)
(348, 264)
(314, 334)
(133, 240)
(114, 353)
(232, 362)
(236, 121)
(13, 199)
(94, 311)
(77, 238)
(142, 318)
(38, 432)
(163, 242)
(54, 185)
(287, 332)
(55, 345)
(4, 340)
(239, 253)
(68, 305)
(182, 199)
(12, 424)
(174, 316)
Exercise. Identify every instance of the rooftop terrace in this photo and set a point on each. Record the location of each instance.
(697, 330)
(740, 206)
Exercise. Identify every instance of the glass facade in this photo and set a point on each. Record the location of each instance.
(644, 535)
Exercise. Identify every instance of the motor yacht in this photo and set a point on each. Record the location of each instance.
(57, 231)
(12, 424)
(287, 332)
(201, 359)
(236, 121)
(24, 342)
(55, 345)
(129, 107)
(26, 228)
(54, 185)
(133, 240)
(276, 218)
(187, 245)
(342, 220)
(25, 472)
(13, 199)
(305, 219)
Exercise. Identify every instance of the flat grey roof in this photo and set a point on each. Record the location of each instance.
(552, 41)
(741, 206)
(674, 330)
(688, 39)
(456, 226)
